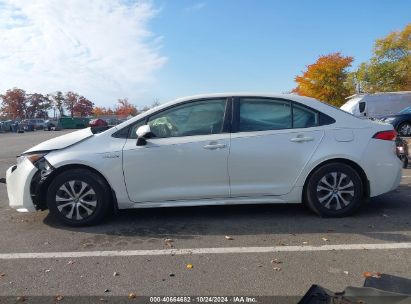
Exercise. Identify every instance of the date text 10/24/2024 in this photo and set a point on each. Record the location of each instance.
(203, 299)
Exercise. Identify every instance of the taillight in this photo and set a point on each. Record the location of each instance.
(386, 135)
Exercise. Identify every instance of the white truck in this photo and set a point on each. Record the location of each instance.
(377, 104)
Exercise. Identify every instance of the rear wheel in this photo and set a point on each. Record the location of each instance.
(334, 190)
(79, 197)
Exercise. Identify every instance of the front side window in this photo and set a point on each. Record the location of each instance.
(133, 134)
(196, 118)
(260, 114)
(304, 117)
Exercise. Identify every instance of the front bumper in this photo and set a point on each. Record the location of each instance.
(18, 180)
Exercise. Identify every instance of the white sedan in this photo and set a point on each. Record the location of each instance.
(215, 149)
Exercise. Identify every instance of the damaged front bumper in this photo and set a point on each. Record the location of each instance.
(18, 180)
(24, 185)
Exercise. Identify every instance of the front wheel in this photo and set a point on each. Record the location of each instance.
(334, 190)
(79, 197)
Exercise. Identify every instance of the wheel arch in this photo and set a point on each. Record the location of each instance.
(348, 162)
(401, 122)
(42, 190)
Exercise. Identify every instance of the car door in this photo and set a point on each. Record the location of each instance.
(271, 143)
(186, 159)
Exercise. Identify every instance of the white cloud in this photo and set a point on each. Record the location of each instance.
(101, 49)
(195, 7)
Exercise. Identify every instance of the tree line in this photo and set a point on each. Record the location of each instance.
(18, 104)
(389, 69)
(123, 108)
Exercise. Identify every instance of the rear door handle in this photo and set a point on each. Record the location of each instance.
(214, 146)
(301, 139)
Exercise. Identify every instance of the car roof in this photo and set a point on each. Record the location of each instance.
(294, 97)
(243, 94)
(308, 101)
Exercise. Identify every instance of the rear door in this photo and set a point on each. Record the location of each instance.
(271, 143)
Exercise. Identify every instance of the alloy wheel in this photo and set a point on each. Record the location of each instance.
(76, 200)
(335, 190)
(405, 129)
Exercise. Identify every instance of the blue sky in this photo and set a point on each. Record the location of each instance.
(171, 48)
(231, 45)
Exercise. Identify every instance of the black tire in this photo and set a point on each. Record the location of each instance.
(332, 201)
(402, 126)
(405, 162)
(97, 198)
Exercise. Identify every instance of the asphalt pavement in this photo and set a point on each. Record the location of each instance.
(225, 245)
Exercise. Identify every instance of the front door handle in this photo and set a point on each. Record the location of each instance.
(301, 139)
(214, 146)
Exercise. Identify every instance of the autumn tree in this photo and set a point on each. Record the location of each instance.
(70, 100)
(14, 103)
(58, 102)
(326, 79)
(99, 111)
(37, 105)
(83, 107)
(125, 108)
(102, 111)
(390, 67)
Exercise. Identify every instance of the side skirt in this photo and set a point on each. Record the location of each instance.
(212, 202)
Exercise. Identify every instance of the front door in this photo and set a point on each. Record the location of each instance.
(186, 159)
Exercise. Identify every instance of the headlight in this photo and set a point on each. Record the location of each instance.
(389, 119)
(31, 157)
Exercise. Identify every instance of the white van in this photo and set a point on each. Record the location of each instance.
(378, 104)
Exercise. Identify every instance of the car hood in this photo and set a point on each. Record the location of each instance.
(62, 141)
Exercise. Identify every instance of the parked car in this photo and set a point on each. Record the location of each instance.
(112, 121)
(215, 149)
(402, 151)
(26, 125)
(377, 104)
(32, 124)
(51, 124)
(39, 124)
(98, 123)
(7, 126)
(401, 121)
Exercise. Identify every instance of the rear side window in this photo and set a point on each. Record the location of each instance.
(260, 114)
(304, 117)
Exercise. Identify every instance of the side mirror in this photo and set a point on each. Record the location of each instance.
(143, 133)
